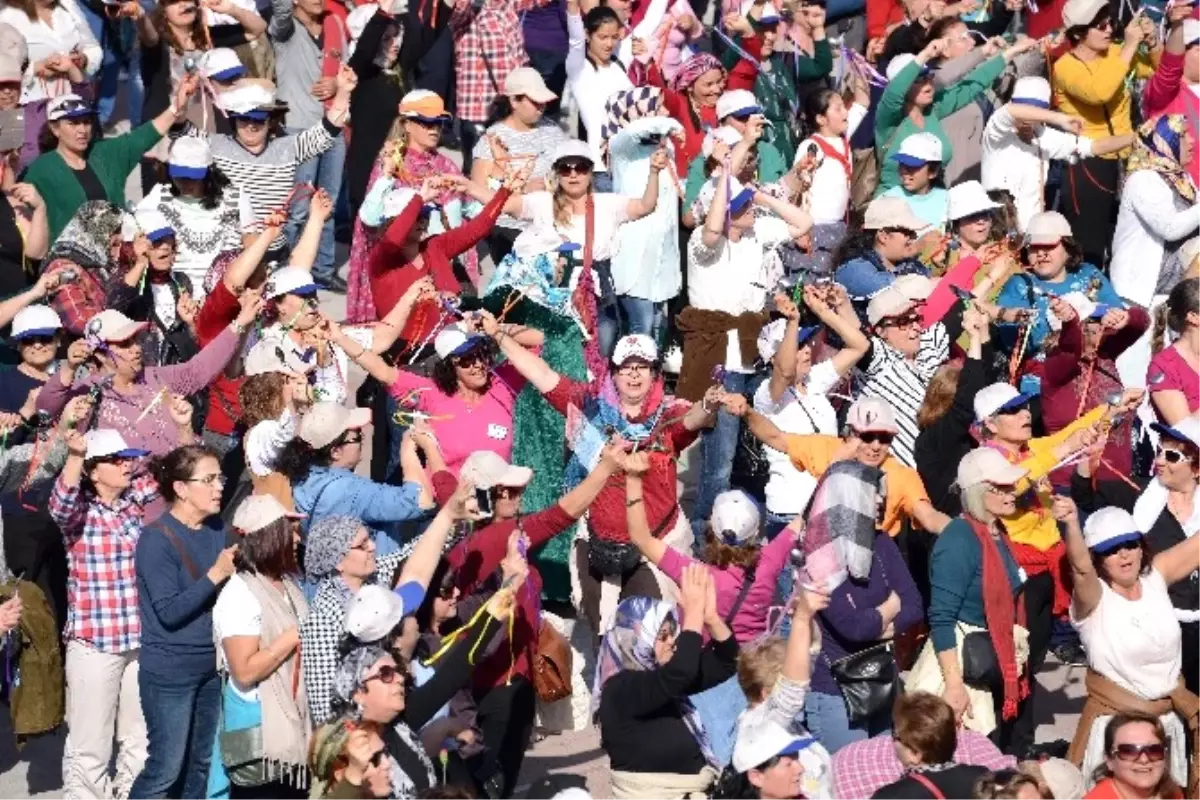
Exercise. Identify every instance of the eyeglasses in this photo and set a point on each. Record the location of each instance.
(1001, 488)
(387, 675)
(635, 368)
(1173, 456)
(565, 168)
(873, 437)
(216, 479)
(1133, 752)
(352, 437)
(468, 359)
(1135, 544)
(907, 321)
(905, 232)
(377, 757)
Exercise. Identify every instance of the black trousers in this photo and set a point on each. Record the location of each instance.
(1090, 203)
(33, 548)
(505, 715)
(1015, 736)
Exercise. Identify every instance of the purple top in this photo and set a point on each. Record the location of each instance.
(35, 118)
(545, 28)
(751, 619)
(851, 623)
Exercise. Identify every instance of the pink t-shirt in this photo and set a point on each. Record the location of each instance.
(462, 429)
(1169, 371)
(751, 619)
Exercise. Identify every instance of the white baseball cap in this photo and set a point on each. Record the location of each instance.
(251, 100)
(760, 738)
(153, 224)
(107, 443)
(1081, 12)
(1047, 227)
(528, 82)
(1108, 528)
(258, 511)
(891, 212)
(1032, 90)
(290, 280)
(68, 106)
(918, 150)
(10, 69)
(111, 325)
(35, 320)
(1186, 430)
(222, 64)
(722, 133)
(869, 414)
(572, 148)
(737, 103)
(635, 345)
(967, 199)
(915, 287)
(901, 61)
(987, 464)
(485, 469)
(891, 301)
(771, 337)
(375, 611)
(999, 398)
(735, 518)
(454, 341)
(395, 200)
(189, 157)
(769, 15)
(325, 422)
(272, 355)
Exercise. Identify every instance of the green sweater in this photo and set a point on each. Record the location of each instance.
(956, 582)
(771, 167)
(893, 125)
(111, 159)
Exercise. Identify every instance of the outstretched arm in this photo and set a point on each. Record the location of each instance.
(531, 366)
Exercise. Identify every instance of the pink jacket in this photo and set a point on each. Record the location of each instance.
(1166, 94)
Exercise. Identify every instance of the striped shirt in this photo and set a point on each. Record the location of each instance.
(269, 177)
(901, 383)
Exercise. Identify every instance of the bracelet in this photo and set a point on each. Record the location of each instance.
(237, 327)
(632, 502)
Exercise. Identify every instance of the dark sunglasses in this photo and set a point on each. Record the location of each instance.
(1136, 544)
(1173, 456)
(905, 232)
(573, 168)
(352, 437)
(387, 674)
(1132, 752)
(1017, 409)
(509, 492)
(50, 339)
(1104, 23)
(468, 359)
(906, 321)
(377, 757)
(871, 437)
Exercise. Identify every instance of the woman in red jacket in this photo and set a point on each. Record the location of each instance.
(691, 97)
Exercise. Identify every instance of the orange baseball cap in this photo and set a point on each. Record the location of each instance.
(424, 105)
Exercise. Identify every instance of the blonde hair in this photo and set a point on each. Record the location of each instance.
(759, 666)
(398, 135)
(973, 503)
(560, 202)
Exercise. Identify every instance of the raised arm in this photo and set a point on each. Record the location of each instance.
(637, 465)
(1179, 561)
(304, 254)
(836, 313)
(423, 561)
(645, 205)
(1086, 591)
(530, 365)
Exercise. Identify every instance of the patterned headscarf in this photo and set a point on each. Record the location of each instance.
(692, 69)
(629, 645)
(1158, 148)
(86, 238)
(626, 106)
(328, 542)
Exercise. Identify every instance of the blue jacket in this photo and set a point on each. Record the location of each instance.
(330, 491)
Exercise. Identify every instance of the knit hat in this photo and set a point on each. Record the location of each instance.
(328, 542)
(328, 743)
(348, 678)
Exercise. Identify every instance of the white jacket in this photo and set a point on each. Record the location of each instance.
(1152, 214)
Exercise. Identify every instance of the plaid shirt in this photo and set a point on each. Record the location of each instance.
(860, 769)
(101, 540)
(488, 44)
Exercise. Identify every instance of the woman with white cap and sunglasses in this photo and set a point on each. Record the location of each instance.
(1122, 608)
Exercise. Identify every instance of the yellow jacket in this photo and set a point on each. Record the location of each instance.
(1087, 89)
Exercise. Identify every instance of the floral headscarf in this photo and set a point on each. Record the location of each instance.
(87, 237)
(693, 68)
(629, 646)
(1158, 148)
(626, 106)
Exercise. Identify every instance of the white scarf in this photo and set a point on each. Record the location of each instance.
(1149, 507)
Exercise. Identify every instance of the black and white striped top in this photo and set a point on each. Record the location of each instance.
(268, 177)
(891, 377)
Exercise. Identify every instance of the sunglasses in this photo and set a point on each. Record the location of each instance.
(509, 492)
(873, 437)
(1105, 24)
(387, 675)
(377, 757)
(1132, 752)
(565, 168)
(468, 359)
(42, 340)
(1017, 409)
(1173, 456)
(905, 232)
(907, 321)
(352, 437)
(1136, 544)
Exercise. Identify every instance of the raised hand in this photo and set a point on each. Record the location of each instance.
(1063, 508)
(26, 194)
(321, 205)
(659, 158)
(251, 302)
(180, 410)
(10, 613)
(77, 410)
(785, 306)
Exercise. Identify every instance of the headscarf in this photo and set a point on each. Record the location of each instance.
(86, 238)
(327, 544)
(1158, 148)
(692, 69)
(629, 646)
(626, 106)
(839, 537)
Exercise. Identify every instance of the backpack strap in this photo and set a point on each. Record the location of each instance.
(747, 582)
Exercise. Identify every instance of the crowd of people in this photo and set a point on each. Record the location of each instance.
(777, 386)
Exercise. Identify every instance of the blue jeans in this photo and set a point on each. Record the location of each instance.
(108, 78)
(608, 324)
(323, 172)
(719, 709)
(181, 720)
(775, 523)
(641, 316)
(718, 446)
(825, 717)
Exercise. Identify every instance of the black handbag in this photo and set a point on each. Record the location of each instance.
(868, 680)
(980, 666)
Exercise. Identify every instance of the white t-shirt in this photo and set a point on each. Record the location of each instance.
(830, 192)
(237, 613)
(610, 211)
(591, 87)
(1136, 644)
(789, 489)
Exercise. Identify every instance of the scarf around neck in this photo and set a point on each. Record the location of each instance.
(1157, 148)
(588, 430)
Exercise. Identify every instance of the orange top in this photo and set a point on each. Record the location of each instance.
(1107, 790)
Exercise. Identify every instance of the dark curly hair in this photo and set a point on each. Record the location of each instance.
(443, 373)
(298, 457)
(724, 556)
(262, 397)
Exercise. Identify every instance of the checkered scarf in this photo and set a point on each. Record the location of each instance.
(692, 69)
(626, 106)
(839, 537)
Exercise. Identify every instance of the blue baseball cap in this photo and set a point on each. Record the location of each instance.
(741, 199)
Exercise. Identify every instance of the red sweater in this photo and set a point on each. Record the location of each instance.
(883, 14)
(679, 106)
(220, 308)
(391, 275)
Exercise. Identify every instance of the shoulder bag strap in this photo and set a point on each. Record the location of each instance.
(589, 231)
(747, 582)
(928, 784)
(188, 564)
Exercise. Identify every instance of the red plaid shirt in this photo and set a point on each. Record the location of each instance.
(101, 540)
(490, 37)
(860, 769)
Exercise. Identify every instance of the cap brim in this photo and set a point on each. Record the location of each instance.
(1008, 476)
(797, 745)
(159, 234)
(129, 330)
(257, 115)
(228, 74)
(471, 343)
(515, 476)
(307, 290)
(1173, 433)
(743, 199)
(76, 114)
(808, 333)
(1030, 101)
(1013, 404)
(1109, 545)
(748, 111)
(1043, 239)
(129, 452)
(569, 247)
(29, 334)
(955, 216)
(187, 173)
(904, 159)
(358, 418)
(537, 95)
(411, 595)
(439, 120)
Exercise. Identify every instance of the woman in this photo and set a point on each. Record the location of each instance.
(1121, 607)
(77, 165)
(1174, 375)
(24, 232)
(831, 123)
(630, 402)
(973, 217)
(349, 760)
(89, 248)
(1135, 760)
(872, 255)
(691, 99)
(370, 685)
(181, 563)
(273, 397)
(1089, 83)
(1053, 266)
(594, 74)
(925, 739)
(409, 158)
(135, 399)
(1012, 783)
(795, 396)
(517, 133)
(209, 215)
(909, 104)
(61, 50)
(648, 664)
(1158, 202)
(975, 584)
(256, 620)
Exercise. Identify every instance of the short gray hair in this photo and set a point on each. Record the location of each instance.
(972, 498)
